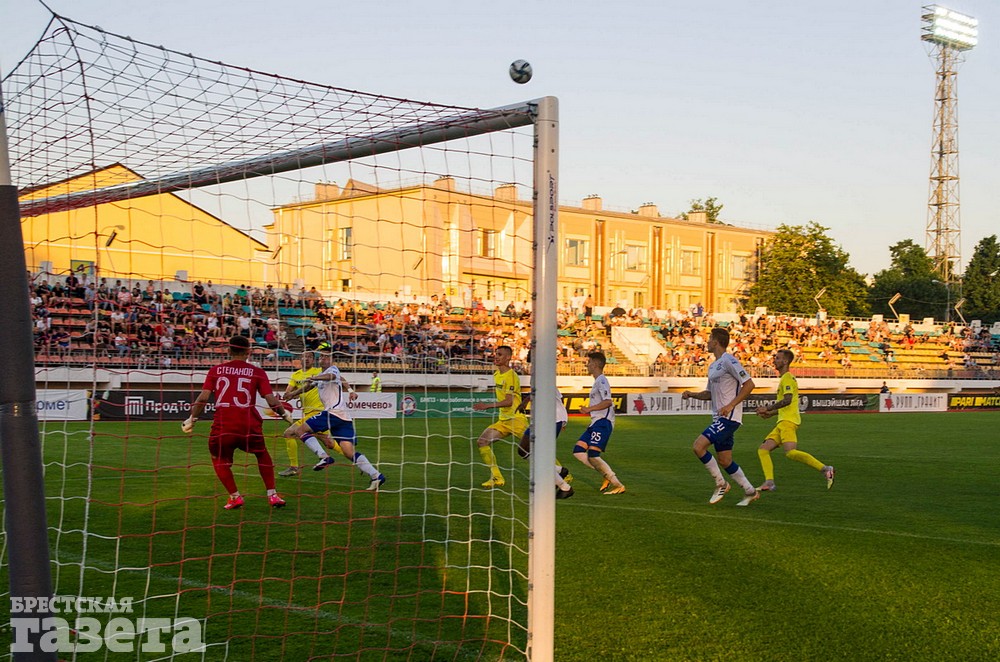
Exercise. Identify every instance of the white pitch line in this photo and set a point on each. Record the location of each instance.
(900, 534)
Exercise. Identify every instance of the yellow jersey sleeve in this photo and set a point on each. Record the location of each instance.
(789, 385)
(508, 383)
(311, 402)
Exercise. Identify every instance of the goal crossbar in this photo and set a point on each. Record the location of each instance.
(421, 135)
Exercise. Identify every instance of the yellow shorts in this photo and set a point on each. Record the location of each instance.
(511, 426)
(784, 432)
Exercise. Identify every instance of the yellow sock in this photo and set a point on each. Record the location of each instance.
(489, 458)
(292, 446)
(804, 458)
(766, 464)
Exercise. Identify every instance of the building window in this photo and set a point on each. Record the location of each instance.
(577, 253)
(487, 243)
(741, 267)
(345, 243)
(638, 299)
(635, 257)
(690, 263)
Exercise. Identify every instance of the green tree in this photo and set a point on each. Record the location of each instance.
(911, 274)
(710, 206)
(798, 262)
(981, 282)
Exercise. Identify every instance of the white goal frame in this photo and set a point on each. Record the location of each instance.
(542, 113)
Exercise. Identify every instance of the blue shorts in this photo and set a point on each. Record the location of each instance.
(595, 437)
(721, 432)
(526, 437)
(524, 448)
(339, 429)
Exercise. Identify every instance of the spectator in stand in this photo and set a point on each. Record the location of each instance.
(117, 321)
(73, 287)
(44, 291)
(59, 296)
(90, 296)
(168, 346)
(198, 293)
(122, 346)
(314, 298)
(271, 339)
(312, 339)
(124, 297)
(287, 300)
(243, 324)
(145, 333)
(60, 339)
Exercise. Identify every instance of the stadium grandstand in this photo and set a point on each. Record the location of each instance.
(146, 325)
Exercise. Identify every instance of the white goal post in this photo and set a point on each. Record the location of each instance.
(542, 114)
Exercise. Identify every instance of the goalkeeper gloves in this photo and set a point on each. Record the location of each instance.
(280, 411)
(188, 425)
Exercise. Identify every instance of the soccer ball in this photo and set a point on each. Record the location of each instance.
(520, 71)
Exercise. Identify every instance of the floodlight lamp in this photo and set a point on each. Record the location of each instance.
(949, 28)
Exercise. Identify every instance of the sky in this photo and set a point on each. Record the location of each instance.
(786, 111)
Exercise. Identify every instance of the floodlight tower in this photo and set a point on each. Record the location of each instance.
(950, 34)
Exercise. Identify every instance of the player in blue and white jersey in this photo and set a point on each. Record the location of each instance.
(336, 393)
(728, 386)
(594, 440)
(562, 476)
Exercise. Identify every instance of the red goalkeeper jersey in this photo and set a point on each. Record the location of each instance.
(236, 385)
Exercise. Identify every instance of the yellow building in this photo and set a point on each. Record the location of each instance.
(157, 237)
(418, 240)
(423, 240)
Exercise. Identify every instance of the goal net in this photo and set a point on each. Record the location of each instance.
(169, 202)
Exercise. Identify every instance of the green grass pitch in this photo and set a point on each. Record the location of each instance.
(897, 562)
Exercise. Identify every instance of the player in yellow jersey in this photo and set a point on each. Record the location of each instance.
(510, 422)
(311, 405)
(786, 406)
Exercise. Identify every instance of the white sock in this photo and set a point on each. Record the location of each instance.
(361, 462)
(560, 483)
(604, 468)
(741, 479)
(313, 444)
(713, 468)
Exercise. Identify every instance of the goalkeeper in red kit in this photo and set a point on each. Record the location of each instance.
(237, 423)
